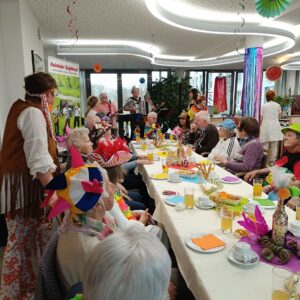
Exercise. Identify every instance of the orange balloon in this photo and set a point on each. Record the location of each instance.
(97, 68)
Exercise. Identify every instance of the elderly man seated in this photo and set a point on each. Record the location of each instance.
(151, 125)
(203, 135)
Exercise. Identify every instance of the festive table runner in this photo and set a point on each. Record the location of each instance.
(293, 264)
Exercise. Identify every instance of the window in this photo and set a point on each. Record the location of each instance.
(105, 83)
(130, 80)
(157, 75)
(239, 90)
(266, 85)
(196, 80)
(211, 85)
(297, 87)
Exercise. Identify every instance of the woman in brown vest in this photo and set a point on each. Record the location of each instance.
(27, 161)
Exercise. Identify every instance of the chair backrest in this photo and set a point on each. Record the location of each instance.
(48, 285)
(265, 160)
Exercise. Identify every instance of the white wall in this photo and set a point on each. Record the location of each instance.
(18, 35)
(30, 38)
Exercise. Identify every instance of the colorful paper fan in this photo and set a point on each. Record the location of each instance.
(271, 8)
(274, 73)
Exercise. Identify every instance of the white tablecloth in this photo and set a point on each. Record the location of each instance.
(208, 276)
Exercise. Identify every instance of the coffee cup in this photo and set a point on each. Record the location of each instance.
(242, 252)
(174, 177)
(251, 207)
(205, 202)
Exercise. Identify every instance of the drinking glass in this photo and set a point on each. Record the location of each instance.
(150, 155)
(138, 138)
(164, 166)
(189, 201)
(298, 212)
(171, 137)
(284, 284)
(257, 187)
(226, 219)
(144, 145)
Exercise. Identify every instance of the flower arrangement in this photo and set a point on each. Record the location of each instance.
(178, 132)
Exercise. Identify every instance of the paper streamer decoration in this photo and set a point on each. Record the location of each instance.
(72, 25)
(252, 85)
(271, 8)
(97, 68)
(274, 73)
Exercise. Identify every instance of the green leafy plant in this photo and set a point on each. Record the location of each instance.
(284, 101)
(168, 90)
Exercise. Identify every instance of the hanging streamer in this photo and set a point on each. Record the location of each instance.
(72, 25)
(241, 41)
(252, 84)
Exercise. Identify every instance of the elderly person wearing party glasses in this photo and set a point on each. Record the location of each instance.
(290, 159)
(228, 144)
(250, 157)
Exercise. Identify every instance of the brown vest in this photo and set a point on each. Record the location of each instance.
(14, 172)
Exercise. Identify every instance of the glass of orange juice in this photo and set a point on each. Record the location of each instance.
(164, 166)
(171, 137)
(298, 212)
(189, 201)
(257, 187)
(150, 155)
(280, 289)
(226, 219)
(138, 138)
(144, 145)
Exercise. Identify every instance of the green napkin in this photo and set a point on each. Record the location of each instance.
(264, 202)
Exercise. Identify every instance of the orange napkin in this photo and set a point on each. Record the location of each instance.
(207, 242)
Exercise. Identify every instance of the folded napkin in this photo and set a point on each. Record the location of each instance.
(264, 202)
(207, 242)
(175, 199)
(160, 176)
(230, 179)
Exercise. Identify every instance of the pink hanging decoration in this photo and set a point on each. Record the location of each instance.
(220, 101)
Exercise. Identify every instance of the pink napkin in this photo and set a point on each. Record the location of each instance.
(230, 179)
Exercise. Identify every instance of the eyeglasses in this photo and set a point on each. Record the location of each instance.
(54, 93)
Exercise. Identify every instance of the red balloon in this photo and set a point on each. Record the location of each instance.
(274, 73)
(97, 68)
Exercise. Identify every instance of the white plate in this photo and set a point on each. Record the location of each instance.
(266, 206)
(245, 209)
(242, 264)
(170, 202)
(235, 182)
(190, 244)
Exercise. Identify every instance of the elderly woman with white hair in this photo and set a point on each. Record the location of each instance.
(151, 125)
(228, 144)
(106, 274)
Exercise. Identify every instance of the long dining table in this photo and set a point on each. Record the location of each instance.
(208, 276)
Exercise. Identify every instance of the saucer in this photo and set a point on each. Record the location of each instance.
(295, 233)
(209, 205)
(173, 181)
(245, 209)
(253, 262)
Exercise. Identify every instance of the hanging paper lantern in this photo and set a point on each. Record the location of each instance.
(142, 80)
(271, 8)
(274, 73)
(97, 68)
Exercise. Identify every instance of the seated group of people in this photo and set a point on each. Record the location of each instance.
(139, 244)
